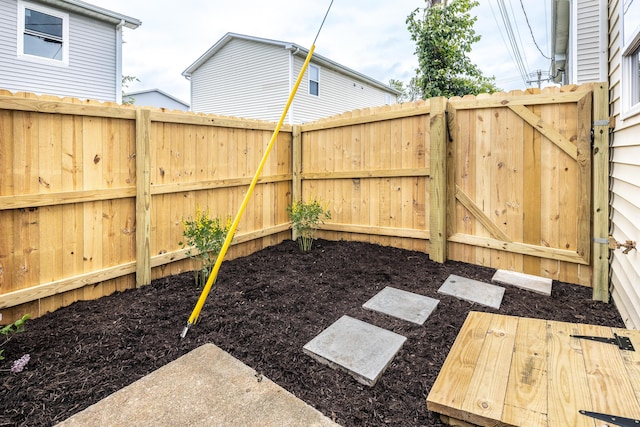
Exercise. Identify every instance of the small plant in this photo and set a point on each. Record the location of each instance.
(8, 332)
(204, 236)
(306, 218)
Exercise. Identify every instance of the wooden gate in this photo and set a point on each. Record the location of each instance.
(519, 180)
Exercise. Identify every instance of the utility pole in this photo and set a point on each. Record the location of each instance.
(539, 79)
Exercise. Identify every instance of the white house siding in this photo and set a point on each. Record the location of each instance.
(338, 93)
(589, 51)
(228, 84)
(91, 73)
(157, 100)
(625, 185)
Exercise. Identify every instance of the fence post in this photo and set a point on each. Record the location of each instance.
(600, 194)
(438, 181)
(143, 197)
(296, 164)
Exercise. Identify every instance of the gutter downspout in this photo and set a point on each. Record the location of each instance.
(188, 77)
(292, 53)
(119, 61)
(604, 41)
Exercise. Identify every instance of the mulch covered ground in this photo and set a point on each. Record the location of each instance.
(263, 310)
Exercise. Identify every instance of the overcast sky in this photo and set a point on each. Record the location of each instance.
(369, 36)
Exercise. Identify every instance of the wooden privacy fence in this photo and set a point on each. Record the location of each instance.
(514, 181)
(92, 196)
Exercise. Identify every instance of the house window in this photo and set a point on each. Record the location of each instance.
(314, 80)
(43, 34)
(631, 56)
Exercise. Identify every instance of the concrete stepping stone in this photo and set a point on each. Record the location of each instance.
(404, 305)
(356, 347)
(473, 291)
(537, 284)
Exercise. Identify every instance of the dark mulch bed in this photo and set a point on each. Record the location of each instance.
(263, 310)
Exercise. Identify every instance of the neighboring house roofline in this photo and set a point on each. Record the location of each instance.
(140, 92)
(295, 48)
(92, 11)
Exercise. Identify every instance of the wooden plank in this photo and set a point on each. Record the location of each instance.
(583, 217)
(519, 248)
(631, 359)
(482, 185)
(600, 195)
(143, 197)
(526, 398)
(450, 388)
(438, 183)
(378, 173)
(506, 100)
(546, 129)
(53, 107)
(567, 392)
(63, 198)
(296, 177)
(188, 118)
(480, 216)
(531, 195)
(514, 188)
(179, 187)
(377, 230)
(487, 389)
(419, 109)
(609, 384)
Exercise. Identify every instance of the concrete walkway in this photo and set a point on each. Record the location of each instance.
(206, 387)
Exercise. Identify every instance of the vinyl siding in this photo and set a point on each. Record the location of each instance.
(625, 184)
(157, 100)
(338, 93)
(251, 79)
(91, 73)
(588, 47)
(244, 79)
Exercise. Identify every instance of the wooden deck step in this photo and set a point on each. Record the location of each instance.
(505, 370)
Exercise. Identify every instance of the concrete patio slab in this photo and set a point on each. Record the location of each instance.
(206, 387)
(404, 305)
(473, 291)
(362, 350)
(539, 285)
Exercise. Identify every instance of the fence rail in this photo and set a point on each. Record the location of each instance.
(92, 196)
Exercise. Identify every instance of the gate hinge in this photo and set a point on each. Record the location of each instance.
(623, 343)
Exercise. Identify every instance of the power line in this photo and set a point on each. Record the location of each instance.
(531, 31)
(515, 49)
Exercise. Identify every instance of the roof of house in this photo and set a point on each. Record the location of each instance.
(295, 48)
(163, 93)
(96, 12)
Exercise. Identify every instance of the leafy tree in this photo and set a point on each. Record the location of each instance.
(444, 34)
(408, 93)
(126, 80)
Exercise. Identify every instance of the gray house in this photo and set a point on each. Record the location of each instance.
(155, 98)
(62, 47)
(251, 77)
(598, 41)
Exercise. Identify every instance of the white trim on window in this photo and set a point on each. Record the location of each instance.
(314, 80)
(23, 6)
(630, 95)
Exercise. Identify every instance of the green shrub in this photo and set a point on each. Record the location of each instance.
(204, 236)
(306, 218)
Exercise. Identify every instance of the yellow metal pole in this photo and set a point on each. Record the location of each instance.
(227, 242)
